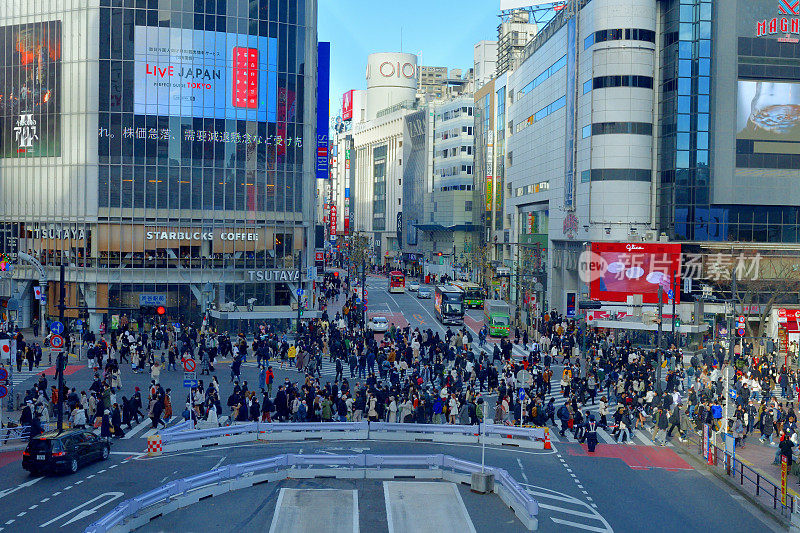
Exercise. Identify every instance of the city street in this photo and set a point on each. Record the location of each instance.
(618, 488)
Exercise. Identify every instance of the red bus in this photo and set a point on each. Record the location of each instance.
(397, 281)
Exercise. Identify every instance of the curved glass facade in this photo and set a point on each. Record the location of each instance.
(159, 149)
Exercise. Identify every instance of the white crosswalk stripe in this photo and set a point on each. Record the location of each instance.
(137, 428)
(18, 378)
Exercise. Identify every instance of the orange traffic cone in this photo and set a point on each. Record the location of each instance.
(547, 445)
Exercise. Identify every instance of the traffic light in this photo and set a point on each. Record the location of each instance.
(677, 322)
(439, 254)
(161, 310)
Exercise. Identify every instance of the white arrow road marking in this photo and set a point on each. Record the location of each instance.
(4, 493)
(87, 512)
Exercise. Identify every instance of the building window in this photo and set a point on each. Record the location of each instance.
(632, 80)
(468, 205)
(631, 128)
(627, 34)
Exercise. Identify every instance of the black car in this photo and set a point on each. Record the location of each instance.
(64, 452)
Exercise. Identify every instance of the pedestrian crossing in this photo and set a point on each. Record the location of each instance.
(638, 437)
(17, 378)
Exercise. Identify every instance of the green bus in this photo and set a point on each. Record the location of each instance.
(497, 317)
(474, 294)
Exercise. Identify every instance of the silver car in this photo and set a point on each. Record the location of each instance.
(424, 292)
(378, 324)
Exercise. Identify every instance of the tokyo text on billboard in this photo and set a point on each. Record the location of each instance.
(196, 73)
(619, 270)
(30, 89)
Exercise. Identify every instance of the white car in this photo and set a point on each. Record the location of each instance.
(424, 292)
(413, 286)
(378, 324)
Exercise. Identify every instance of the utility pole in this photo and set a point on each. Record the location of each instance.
(674, 317)
(658, 337)
(731, 338)
(364, 298)
(60, 357)
(299, 288)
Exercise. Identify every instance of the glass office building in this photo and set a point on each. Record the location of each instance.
(162, 150)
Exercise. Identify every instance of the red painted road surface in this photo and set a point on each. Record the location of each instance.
(10, 457)
(71, 369)
(636, 457)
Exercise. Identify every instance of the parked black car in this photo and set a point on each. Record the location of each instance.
(64, 452)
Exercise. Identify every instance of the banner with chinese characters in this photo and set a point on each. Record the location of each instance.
(30, 90)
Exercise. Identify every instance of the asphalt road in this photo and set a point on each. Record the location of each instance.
(622, 488)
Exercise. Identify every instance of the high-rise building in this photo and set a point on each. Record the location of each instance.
(484, 62)
(513, 33)
(646, 121)
(438, 82)
(163, 156)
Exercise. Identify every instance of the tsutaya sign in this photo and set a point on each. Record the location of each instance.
(273, 275)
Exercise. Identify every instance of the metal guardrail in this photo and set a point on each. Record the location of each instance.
(22, 433)
(199, 434)
(165, 494)
(752, 481)
(358, 431)
(182, 426)
(11, 434)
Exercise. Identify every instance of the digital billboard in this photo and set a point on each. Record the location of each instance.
(768, 113)
(209, 74)
(618, 270)
(30, 90)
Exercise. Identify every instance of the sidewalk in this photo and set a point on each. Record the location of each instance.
(760, 458)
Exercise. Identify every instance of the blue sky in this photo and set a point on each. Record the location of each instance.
(445, 31)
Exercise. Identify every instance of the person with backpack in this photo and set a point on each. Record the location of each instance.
(564, 416)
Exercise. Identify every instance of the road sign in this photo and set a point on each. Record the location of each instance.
(79, 323)
(299, 292)
(3, 391)
(732, 394)
(521, 394)
(189, 365)
(190, 378)
(57, 342)
(740, 331)
(366, 293)
(56, 328)
(3, 374)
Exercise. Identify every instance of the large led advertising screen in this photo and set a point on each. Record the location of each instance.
(196, 73)
(619, 270)
(30, 90)
(769, 113)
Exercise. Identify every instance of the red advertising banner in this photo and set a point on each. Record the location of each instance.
(620, 269)
(784, 475)
(347, 105)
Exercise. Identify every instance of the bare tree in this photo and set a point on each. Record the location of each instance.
(762, 282)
